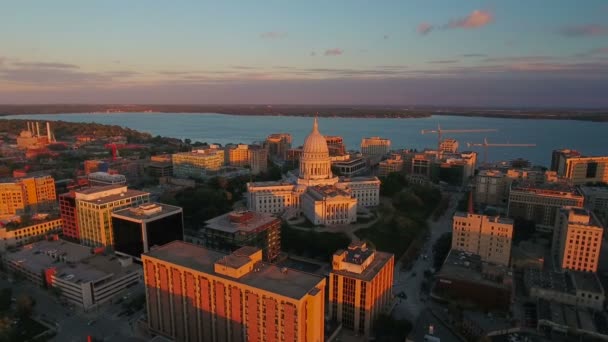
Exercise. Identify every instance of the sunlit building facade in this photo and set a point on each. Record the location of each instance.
(577, 240)
(278, 144)
(375, 146)
(540, 202)
(490, 237)
(196, 163)
(24, 193)
(333, 196)
(196, 294)
(94, 207)
(360, 286)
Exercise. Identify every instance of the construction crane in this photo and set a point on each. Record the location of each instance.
(485, 146)
(440, 132)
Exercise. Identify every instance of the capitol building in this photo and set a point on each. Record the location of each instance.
(314, 191)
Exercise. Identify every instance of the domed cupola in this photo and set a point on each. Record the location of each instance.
(315, 162)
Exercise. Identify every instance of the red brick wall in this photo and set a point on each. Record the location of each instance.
(236, 315)
(289, 322)
(150, 278)
(177, 298)
(271, 312)
(253, 332)
(220, 312)
(191, 313)
(205, 306)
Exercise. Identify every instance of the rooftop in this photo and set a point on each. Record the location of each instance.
(469, 267)
(548, 280)
(367, 274)
(98, 189)
(147, 212)
(72, 262)
(594, 190)
(329, 191)
(244, 221)
(115, 197)
(497, 219)
(549, 189)
(291, 283)
(588, 282)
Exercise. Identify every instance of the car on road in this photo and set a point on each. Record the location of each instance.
(402, 295)
(91, 322)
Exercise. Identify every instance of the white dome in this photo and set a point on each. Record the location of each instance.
(315, 142)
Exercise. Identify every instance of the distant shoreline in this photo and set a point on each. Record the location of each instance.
(397, 112)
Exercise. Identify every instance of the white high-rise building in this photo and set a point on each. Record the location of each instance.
(315, 192)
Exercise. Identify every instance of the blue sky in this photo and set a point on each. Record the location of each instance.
(487, 53)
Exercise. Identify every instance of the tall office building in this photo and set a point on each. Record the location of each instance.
(336, 145)
(27, 193)
(449, 145)
(236, 229)
(393, 164)
(579, 169)
(69, 215)
(491, 187)
(137, 229)
(196, 294)
(238, 155)
(375, 146)
(489, 237)
(540, 202)
(94, 207)
(577, 240)
(360, 286)
(254, 156)
(196, 163)
(278, 144)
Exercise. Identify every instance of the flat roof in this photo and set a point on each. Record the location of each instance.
(594, 190)
(491, 218)
(548, 280)
(552, 188)
(96, 189)
(147, 215)
(293, 284)
(77, 264)
(329, 191)
(108, 199)
(588, 282)
(465, 266)
(380, 259)
(225, 224)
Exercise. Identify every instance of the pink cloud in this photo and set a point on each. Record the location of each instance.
(584, 30)
(424, 28)
(333, 52)
(477, 18)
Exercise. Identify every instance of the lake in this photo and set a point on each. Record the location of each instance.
(590, 138)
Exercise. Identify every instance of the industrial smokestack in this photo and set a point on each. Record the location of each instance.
(48, 131)
(37, 128)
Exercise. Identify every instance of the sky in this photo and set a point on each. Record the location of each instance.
(516, 53)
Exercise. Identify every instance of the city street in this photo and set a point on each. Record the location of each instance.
(74, 324)
(410, 281)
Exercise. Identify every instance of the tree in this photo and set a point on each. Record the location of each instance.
(392, 184)
(441, 248)
(5, 298)
(388, 329)
(25, 306)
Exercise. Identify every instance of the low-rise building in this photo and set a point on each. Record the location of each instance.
(18, 233)
(228, 232)
(349, 165)
(360, 286)
(103, 178)
(196, 294)
(540, 202)
(580, 289)
(465, 278)
(82, 278)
